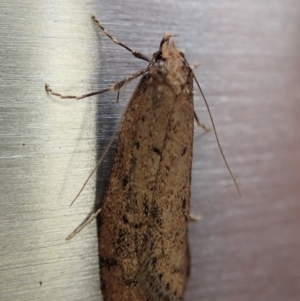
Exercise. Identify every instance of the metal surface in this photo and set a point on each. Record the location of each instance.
(242, 249)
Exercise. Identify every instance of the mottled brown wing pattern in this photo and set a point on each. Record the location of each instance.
(165, 266)
(143, 232)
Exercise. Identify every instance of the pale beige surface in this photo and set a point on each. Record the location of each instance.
(243, 249)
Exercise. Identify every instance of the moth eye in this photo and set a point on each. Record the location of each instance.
(159, 56)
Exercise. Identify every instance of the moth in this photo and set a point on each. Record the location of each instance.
(144, 252)
(143, 233)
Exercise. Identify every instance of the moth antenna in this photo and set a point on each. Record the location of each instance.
(135, 53)
(215, 131)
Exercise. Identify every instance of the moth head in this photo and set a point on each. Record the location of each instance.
(167, 48)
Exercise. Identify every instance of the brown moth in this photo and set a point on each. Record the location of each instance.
(143, 233)
(144, 252)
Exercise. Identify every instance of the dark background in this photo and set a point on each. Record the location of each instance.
(243, 248)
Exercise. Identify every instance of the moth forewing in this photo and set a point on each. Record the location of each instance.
(143, 234)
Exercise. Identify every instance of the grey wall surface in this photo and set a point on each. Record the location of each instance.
(243, 248)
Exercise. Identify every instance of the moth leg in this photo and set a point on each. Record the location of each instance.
(195, 65)
(194, 217)
(88, 221)
(118, 96)
(115, 87)
(116, 41)
(206, 128)
(217, 138)
(199, 123)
